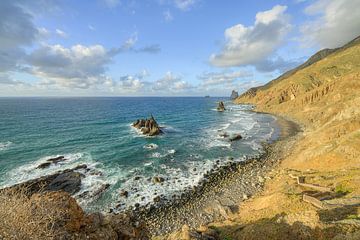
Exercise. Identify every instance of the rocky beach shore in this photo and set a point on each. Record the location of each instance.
(217, 197)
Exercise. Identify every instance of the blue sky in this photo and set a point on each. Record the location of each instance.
(161, 47)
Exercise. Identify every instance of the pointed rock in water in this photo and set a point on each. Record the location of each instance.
(234, 95)
(221, 106)
(148, 126)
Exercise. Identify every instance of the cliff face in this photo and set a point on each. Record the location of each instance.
(325, 97)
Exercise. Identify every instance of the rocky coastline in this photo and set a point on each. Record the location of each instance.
(215, 198)
(218, 195)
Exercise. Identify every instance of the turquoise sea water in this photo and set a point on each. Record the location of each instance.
(97, 131)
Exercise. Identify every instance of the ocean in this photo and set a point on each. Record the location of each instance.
(97, 132)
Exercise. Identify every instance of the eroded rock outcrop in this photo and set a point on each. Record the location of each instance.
(234, 95)
(221, 106)
(68, 180)
(148, 126)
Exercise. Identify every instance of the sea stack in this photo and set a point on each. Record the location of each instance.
(148, 127)
(234, 95)
(221, 106)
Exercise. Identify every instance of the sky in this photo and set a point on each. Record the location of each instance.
(162, 47)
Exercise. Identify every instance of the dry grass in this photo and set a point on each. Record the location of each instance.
(21, 217)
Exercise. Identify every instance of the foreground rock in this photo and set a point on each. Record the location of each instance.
(148, 126)
(68, 180)
(234, 95)
(221, 106)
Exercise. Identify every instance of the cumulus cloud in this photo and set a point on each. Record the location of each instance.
(76, 67)
(250, 45)
(16, 31)
(133, 83)
(171, 82)
(335, 23)
(7, 80)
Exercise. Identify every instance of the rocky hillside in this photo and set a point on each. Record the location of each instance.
(323, 96)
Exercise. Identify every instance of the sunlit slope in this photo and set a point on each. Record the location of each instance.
(325, 97)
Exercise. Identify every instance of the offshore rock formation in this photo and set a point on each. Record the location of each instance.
(234, 95)
(221, 107)
(148, 126)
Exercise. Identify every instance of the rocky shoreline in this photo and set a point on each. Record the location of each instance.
(217, 197)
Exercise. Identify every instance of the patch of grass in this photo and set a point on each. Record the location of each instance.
(342, 189)
(22, 218)
(353, 216)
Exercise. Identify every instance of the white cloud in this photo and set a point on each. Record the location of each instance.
(168, 16)
(76, 67)
(16, 32)
(336, 23)
(250, 45)
(170, 83)
(130, 42)
(185, 4)
(61, 33)
(129, 46)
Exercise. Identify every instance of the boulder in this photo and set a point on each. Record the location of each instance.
(51, 161)
(148, 126)
(67, 180)
(124, 193)
(221, 106)
(158, 179)
(235, 137)
(234, 95)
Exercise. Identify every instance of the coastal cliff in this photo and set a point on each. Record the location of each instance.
(323, 96)
(313, 192)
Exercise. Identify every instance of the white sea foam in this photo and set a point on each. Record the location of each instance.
(156, 155)
(171, 151)
(151, 146)
(5, 145)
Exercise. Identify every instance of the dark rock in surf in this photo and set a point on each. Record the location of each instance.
(51, 161)
(124, 193)
(235, 137)
(221, 106)
(148, 126)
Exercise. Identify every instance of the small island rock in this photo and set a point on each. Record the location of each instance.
(221, 106)
(148, 126)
